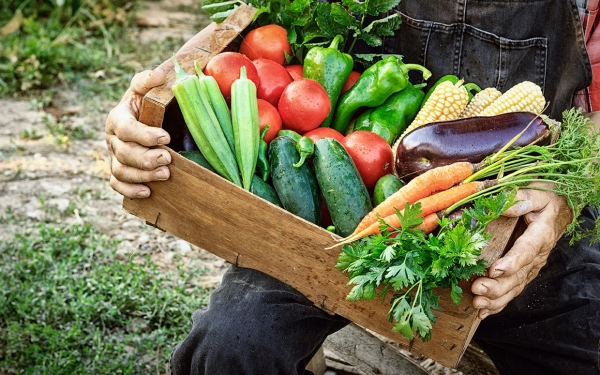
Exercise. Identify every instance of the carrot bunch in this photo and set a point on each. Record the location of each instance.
(435, 191)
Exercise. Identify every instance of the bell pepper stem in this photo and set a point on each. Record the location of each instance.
(335, 42)
(407, 67)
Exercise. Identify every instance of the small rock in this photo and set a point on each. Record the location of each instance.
(180, 246)
(144, 238)
(168, 258)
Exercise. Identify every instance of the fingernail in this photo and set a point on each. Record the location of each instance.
(481, 289)
(160, 175)
(161, 160)
(497, 273)
(484, 314)
(162, 140)
(143, 194)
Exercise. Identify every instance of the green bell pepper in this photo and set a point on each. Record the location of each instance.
(330, 68)
(391, 118)
(262, 162)
(374, 86)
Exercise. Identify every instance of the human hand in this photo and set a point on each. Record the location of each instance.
(547, 216)
(133, 161)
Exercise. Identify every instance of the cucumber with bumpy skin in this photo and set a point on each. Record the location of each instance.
(296, 187)
(345, 193)
(198, 158)
(264, 190)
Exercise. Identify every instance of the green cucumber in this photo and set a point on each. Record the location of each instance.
(296, 187)
(262, 189)
(198, 158)
(345, 193)
(385, 186)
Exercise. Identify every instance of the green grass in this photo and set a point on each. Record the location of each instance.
(89, 46)
(68, 305)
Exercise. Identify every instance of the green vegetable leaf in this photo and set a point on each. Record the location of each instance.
(331, 20)
(383, 27)
(400, 276)
(355, 6)
(375, 7)
(420, 322)
(410, 218)
(403, 326)
(388, 254)
(456, 293)
(342, 17)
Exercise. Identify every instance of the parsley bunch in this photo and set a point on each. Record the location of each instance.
(414, 264)
(312, 22)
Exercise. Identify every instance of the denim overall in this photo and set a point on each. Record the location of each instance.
(256, 325)
(471, 39)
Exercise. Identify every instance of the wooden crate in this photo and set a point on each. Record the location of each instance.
(214, 214)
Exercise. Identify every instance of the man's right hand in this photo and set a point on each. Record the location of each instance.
(133, 160)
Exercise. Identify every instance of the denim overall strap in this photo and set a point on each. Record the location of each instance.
(543, 44)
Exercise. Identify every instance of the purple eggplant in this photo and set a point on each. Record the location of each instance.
(470, 139)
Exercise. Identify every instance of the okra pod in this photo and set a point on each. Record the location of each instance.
(246, 127)
(218, 103)
(202, 122)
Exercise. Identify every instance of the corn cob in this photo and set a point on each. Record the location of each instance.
(480, 101)
(525, 96)
(246, 127)
(203, 124)
(446, 102)
(218, 103)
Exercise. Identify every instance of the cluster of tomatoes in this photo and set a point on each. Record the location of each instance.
(287, 100)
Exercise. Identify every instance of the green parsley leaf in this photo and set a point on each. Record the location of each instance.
(375, 7)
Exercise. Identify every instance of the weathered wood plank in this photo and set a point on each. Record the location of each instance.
(369, 354)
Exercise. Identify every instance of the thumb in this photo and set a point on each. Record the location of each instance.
(530, 200)
(143, 82)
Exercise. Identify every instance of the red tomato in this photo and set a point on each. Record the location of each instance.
(225, 68)
(273, 79)
(350, 81)
(303, 105)
(319, 133)
(268, 115)
(371, 154)
(296, 71)
(269, 41)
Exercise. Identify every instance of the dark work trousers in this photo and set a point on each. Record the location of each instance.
(256, 325)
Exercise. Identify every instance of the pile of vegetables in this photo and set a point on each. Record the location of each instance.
(347, 142)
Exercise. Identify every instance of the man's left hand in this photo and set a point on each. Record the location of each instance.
(547, 215)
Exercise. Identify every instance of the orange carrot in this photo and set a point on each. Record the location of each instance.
(429, 205)
(430, 222)
(430, 182)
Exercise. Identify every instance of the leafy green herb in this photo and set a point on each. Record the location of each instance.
(312, 22)
(413, 264)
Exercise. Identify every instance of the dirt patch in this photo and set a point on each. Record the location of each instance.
(42, 173)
